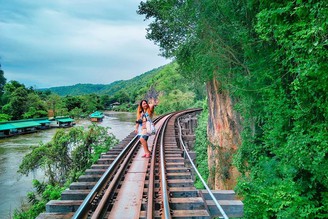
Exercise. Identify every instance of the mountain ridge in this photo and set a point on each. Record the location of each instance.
(110, 89)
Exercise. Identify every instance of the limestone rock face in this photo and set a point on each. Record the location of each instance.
(223, 132)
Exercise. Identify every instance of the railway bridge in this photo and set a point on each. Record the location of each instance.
(123, 184)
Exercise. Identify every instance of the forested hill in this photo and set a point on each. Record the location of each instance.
(165, 84)
(77, 89)
(110, 89)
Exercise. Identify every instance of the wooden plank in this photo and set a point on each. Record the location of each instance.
(233, 208)
(61, 206)
(219, 194)
(55, 215)
(129, 199)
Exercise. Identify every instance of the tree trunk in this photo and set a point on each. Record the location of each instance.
(223, 132)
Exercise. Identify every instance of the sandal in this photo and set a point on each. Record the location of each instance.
(146, 155)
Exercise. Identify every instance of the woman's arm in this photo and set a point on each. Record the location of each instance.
(152, 103)
(138, 122)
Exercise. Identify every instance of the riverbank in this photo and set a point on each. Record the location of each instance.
(13, 186)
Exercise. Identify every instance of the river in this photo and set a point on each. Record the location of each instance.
(13, 186)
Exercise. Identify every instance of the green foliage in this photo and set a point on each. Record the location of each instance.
(171, 26)
(34, 113)
(55, 104)
(125, 107)
(2, 83)
(52, 192)
(289, 127)
(131, 87)
(105, 101)
(68, 152)
(175, 100)
(175, 91)
(272, 58)
(72, 102)
(4, 117)
(38, 199)
(35, 210)
(77, 89)
(164, 81)
(20, 102)
(63, 159)
(200, 147)
(76, 113)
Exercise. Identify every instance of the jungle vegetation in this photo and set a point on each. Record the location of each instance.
(62, 160)
(271, 57)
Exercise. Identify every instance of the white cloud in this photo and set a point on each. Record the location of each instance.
(54, 43)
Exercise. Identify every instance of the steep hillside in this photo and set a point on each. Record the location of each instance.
(165, 84)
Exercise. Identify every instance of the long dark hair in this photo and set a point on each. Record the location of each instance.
(140, 109)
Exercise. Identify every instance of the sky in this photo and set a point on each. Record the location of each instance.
(50, 43)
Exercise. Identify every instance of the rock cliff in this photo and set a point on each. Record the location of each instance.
(224, 136)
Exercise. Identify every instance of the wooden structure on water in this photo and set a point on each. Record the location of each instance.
(61, 122)
(96, 116)
(18, 127)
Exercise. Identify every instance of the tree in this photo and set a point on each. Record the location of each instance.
(9, 88)
(63, 159)
(54, 104)
(18, 103)
(175, 100)
(72, 102)
(2, 82)
(68, 154)
(268, 60)
(105, 101)
(171, 26)
(21, 102)
(206, 46)
(36, 107)
(4, 117)
(90, 103)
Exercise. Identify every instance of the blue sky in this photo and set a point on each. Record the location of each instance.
(47, 43)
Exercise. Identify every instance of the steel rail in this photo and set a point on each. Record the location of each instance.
(104, 203)
(165, 198)
(164, 188)
(151, 186)
(101, 209)
(151, 180)
(84, 208)
(82, 211)
(200, 177)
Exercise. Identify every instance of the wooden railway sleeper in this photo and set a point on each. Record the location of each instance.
(157, 194)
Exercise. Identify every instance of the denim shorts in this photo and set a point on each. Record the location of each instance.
(144, 137)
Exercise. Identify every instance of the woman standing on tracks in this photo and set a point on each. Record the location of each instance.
(145, 112)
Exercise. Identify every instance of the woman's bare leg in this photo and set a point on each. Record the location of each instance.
(144, 145)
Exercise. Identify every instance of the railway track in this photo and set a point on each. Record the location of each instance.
(122, 184)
